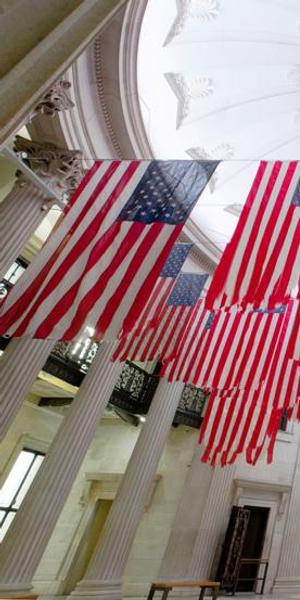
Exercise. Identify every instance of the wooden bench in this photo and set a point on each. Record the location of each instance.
(167, 586)
(20, 597)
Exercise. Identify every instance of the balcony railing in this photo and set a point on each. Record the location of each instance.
(191, 407)
(135, 387)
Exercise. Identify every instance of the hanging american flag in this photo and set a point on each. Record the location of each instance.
(168, 327)
(260, 265)
(238, 349)
(100, 263)
(157, 298)
(243, 421)
(180, 365)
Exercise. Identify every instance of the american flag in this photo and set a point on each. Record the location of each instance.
(100, 263)
(157, 298)
(180, 366)
(165, 331)
(238, 349)
(227, 350)
(245, 421)
(260, 265)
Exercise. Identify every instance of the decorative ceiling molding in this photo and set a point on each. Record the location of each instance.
(220, 152)
(187, 90)
(202, 10)
(204, 250)
(130, 99)
(100, 82)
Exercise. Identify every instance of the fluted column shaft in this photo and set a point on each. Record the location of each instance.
(288, 573)
(187, 520)
(26, 540)
(103, 576)
(213, 523)
(19, 367)
(21, 212)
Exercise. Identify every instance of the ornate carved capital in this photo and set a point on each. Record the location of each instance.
(61, 168)
(54, 100)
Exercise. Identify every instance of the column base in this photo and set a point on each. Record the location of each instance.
(286, 585)
(102, 590)
(13, 590)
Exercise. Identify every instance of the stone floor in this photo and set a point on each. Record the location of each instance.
(242, 596)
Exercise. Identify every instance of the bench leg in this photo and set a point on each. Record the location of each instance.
(215, 593)
(201, 596)
(151, 592)
(165, 594)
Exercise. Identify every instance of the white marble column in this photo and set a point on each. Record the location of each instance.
(213, 524)
(24, 208)
(288, 574)
(20, 365)
(104, 573)
(27, 538)
(21, 212)
(187, 520)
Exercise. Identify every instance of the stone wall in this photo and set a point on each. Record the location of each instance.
(108, 455)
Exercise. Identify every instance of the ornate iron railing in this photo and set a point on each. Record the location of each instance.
(70, 361)
(191, 406)
(134, 389)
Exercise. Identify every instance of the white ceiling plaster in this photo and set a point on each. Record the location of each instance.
(220, 79)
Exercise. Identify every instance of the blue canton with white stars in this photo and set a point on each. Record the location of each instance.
(187, 289)
(296, 195)
(168, 191)
(175, 260)
(209, 321)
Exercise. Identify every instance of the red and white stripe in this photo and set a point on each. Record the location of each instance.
(238, 350)
(95, 270)
(234, 352)
(150, 313)
(179, 367)
(160, 338)
(246, 421)
(260, 264)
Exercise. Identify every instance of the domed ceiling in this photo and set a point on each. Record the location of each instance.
(221, 79)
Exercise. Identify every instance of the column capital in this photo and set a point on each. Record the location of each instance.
(61, 168)
(55, 99)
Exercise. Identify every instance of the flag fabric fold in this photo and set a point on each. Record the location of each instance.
(260, 265)
(108, 251)
(168, 326)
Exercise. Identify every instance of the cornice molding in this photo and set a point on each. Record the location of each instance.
(130, 36)
(100, 79)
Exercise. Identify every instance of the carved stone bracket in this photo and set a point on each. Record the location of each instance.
(54, 100)
(200, 10)
(61, 168)
(187, 91)
(220, 152)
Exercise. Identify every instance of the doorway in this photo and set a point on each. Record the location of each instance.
(244, 538)
(87, 544)
(253, 544)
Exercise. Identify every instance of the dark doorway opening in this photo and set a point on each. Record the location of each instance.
(244, 539)
(253, 545)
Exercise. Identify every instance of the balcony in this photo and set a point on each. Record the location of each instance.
(135, 388)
